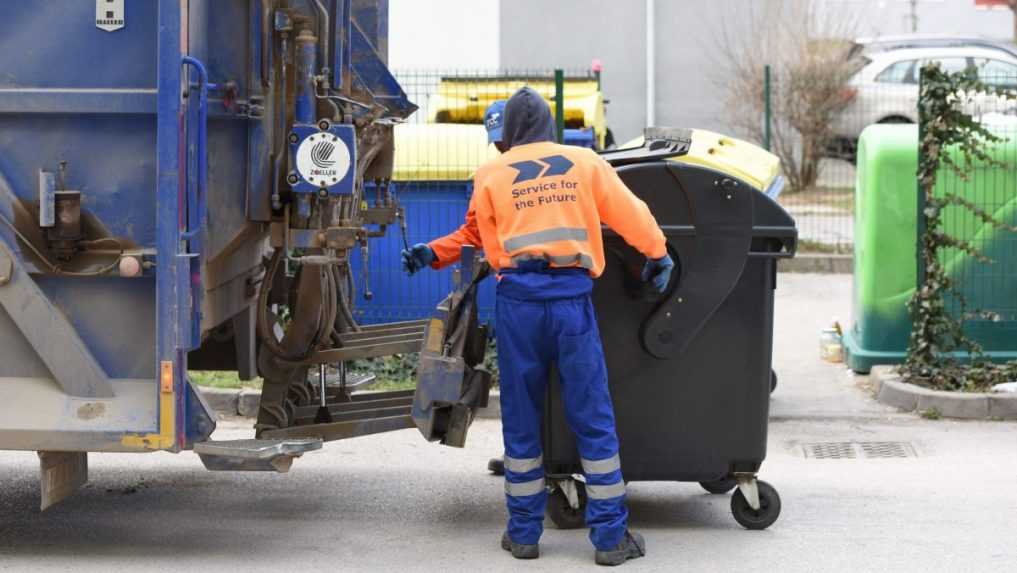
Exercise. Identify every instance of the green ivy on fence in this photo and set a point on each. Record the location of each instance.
(937, 333)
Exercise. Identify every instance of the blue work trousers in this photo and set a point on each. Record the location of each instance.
(544, 319)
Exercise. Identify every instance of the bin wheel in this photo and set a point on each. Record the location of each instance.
(496, 466)
(773, 381)
(769, 508)
(562, 514)
(717, 486)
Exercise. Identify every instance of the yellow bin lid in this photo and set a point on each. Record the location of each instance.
(735, 157)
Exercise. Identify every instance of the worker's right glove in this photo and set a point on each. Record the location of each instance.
(417, 257)
(658, 271)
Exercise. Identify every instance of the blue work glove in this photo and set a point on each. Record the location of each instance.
(659, 271)
(417, 257)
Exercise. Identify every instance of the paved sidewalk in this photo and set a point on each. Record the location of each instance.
(393, 502)
(809, 387)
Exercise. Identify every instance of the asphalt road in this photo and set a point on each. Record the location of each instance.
(393, 502)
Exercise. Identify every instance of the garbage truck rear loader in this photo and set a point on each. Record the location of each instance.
(181, 186)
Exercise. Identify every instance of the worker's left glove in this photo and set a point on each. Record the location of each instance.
(658, 271)
(417, 257)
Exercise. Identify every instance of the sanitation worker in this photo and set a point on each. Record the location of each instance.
(494, 123)
(537, 212)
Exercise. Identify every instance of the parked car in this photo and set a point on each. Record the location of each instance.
(885, 89)
(914, 41)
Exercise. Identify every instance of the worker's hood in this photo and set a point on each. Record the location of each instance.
(527, 119)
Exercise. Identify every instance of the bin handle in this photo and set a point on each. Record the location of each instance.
(723, 239)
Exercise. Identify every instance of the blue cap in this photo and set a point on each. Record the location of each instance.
(494, 120)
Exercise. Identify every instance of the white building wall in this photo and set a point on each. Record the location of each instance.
(540, 34)
(892, 17)
(570, 34)
(443, 34)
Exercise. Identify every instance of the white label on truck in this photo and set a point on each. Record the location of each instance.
(323, 159)
(109, 14)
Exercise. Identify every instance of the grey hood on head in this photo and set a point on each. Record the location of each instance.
(527, 119)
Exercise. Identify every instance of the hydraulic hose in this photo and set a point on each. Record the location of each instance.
(325, 320)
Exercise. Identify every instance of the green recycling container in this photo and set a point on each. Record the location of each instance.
(886, 239)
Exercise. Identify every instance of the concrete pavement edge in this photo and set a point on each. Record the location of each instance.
(818, 263)
(893, 391)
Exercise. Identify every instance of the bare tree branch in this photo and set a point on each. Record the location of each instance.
(806, 45)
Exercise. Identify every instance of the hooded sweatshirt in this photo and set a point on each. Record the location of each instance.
(541, 201)
(527, 119)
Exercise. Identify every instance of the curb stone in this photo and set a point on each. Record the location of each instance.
(228, 401)
(963, 405)
(247, 405)
(1003, 406)
(895, 393)
(221, 400)
(817, 263)
(493, 409)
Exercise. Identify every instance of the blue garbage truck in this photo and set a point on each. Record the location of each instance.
(193, 184)
(182, 184)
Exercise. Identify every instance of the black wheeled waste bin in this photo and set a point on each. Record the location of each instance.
(690, 370)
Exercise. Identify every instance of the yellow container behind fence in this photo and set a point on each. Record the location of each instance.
(440, 151)
(463, 100)
(453, 152)
(746, 161)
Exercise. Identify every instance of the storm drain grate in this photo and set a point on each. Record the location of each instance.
(887, 449)
(855, 450)
(830, 450)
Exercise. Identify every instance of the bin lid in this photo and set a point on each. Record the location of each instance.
(735, 157)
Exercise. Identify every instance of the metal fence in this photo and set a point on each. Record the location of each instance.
(815, 132)
(441, 145)
(443, 141)
(437, 151)
(990, 287)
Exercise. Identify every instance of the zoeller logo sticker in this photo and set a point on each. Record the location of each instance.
(321, 153)
(323, 159)
(544, 167)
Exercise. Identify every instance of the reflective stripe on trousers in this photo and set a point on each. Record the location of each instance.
(523, 489)
(533, 334)
(603, 478)
(523, 465)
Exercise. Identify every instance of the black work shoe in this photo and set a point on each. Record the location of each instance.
(519, 550)
(496, 466)
(632, 546)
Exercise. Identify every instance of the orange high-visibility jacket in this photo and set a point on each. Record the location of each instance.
(547, 201)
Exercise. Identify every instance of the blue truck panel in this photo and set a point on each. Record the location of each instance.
(153, 143)
(116, 110)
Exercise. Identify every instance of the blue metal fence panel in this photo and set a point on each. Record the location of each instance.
(433, 209)
(580, 137)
